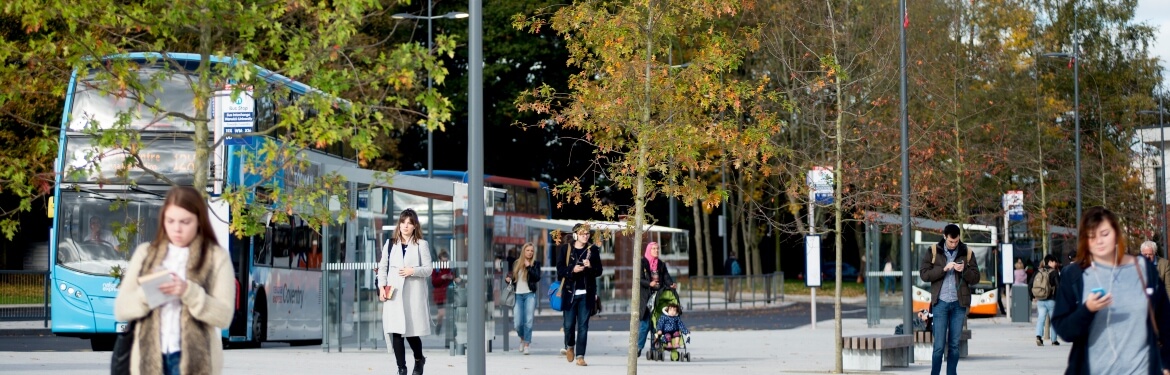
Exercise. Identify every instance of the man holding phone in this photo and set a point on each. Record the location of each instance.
(951, 271)
(580, 271)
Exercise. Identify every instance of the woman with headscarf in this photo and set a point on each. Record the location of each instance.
(654, 278)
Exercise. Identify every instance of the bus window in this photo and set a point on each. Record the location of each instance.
(95, 238)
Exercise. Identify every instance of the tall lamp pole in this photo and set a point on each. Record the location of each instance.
(905, 248)
(1162, 178)
(1076, 61)
(430, 133)
(475, 219)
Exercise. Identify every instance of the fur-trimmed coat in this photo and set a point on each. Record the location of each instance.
(207, 306)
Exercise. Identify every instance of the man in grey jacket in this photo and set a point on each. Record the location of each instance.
(950, 270)
(1150, 251)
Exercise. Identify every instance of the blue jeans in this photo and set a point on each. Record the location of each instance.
(171, 363)
(889, 284)
(948, 329)
(522, 315)
(643, 331)
(1044, 310)
(577, 324)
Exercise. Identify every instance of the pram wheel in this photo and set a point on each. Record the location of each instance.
(687, 357)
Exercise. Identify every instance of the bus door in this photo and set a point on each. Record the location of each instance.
(240, 250)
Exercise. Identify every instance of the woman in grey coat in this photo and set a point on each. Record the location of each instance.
(406, 268)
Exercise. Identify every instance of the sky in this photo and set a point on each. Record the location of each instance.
(1157, 14)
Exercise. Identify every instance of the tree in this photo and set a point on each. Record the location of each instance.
(26, 162)
(643, 118)
(366, 86)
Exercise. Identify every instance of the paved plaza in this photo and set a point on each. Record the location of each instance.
(998, 347)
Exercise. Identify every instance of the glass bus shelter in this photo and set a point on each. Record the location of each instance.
(353, 314)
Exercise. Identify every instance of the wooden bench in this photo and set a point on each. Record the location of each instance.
(924, 345)
(876, 352)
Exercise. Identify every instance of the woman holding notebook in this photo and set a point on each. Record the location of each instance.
(403, 275)
(178, 289)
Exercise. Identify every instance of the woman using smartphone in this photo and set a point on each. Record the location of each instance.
(1111, 305)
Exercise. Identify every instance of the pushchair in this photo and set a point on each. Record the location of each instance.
(665, 347)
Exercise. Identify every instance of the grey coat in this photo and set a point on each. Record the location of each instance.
(409, 312)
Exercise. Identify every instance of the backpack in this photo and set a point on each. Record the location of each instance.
(735, 268)
(1042, 287)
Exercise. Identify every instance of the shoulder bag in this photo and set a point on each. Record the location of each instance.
(510, 295)
(555, 301)
(1149, 305)
(120, 361)
(124, 344)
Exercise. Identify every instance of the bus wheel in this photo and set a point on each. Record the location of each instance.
(259, 326)
(102, 343)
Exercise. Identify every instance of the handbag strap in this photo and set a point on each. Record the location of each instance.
(1149, 306)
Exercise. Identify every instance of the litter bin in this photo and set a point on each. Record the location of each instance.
(1021, 304)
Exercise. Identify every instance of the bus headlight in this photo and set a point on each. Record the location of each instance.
(70, 291)
(62, 286)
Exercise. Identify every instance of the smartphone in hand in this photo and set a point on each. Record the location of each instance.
(1100, 291)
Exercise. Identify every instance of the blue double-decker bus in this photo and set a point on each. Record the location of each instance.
(103, 210)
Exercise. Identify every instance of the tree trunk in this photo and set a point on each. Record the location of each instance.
(640, 201)
(701, 267)
(707, 238)
(732, 226)
(837, 187)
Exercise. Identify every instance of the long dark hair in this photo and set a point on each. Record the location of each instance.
(415, 235)
(1092, 218)
(189, 199)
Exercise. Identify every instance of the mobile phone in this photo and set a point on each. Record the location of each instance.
(959, 261)
(1100, 291)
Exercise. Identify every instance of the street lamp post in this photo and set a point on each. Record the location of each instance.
(1162, 178)
(475, 219)
(905, 119)
(430, 133)
(1076, 106)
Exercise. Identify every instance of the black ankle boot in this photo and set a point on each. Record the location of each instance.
(418, 366)
(402, 370)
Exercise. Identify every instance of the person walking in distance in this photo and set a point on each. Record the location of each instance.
(950, 270)
(1111, 305)
(889, 277)
(441, 278)
(1044, 291)
(732, 269)
(179, 335)
(1150, 251)
(525, 275)
(403, 274)
(580, 273)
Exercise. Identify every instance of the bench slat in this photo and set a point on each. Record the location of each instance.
(877, 341)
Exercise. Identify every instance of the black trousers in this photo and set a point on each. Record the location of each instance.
(400, 349)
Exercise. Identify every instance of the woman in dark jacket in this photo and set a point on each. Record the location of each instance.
(1103, 341)
(655, 278)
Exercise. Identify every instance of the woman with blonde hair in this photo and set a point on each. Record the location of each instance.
(403, 276)
(1111, 305)
(525, 277)
(179, 334)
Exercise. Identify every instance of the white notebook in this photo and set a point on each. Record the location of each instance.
(150, 284)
